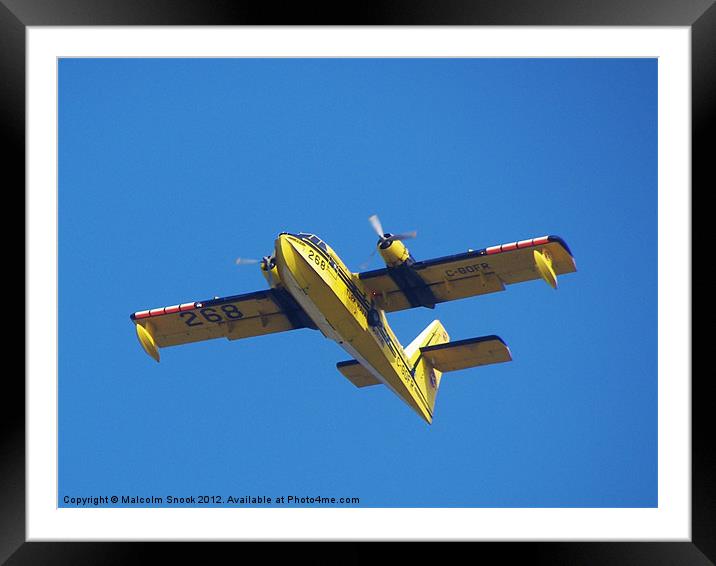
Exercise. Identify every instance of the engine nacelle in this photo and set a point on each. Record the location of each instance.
(394, 252)
(270, 271)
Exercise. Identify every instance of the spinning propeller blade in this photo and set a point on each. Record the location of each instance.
(377, 226)
(386, 237)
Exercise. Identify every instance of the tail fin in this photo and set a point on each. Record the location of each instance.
(426, 375)
(432, 354)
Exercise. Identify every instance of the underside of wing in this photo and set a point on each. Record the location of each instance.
(238, 316)
(473, 352)
(489, 270)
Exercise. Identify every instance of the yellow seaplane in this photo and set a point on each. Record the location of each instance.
(310, 287)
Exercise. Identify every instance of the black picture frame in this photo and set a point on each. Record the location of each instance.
(17, 15)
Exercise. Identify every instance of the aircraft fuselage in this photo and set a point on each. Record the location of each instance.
(344, 311)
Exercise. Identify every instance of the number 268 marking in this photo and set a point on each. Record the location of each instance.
(315, 258)
(230, 312)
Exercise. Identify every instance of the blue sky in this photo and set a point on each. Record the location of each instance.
(170, 169)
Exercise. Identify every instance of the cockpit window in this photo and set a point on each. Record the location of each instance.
(313, 239)
(316, 240)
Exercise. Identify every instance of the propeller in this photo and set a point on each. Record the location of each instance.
(267, 264)
(268, 261)
(385, 237)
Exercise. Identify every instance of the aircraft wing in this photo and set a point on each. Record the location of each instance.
(238, 316)
(426, 283)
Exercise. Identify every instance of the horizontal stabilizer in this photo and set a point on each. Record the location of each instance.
(453, 356)
(357, 374)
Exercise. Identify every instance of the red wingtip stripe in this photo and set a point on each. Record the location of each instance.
(165, 310)
(517, 245)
